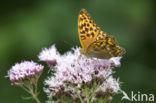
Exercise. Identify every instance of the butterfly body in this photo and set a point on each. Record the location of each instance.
(94, 42)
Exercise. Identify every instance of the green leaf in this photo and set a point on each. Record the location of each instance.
(26, 98)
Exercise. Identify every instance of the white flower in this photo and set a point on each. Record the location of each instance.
(49, 55)
(115, 61)
(111, 86)
(55, 85)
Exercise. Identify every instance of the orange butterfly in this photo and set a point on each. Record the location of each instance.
(94, 42)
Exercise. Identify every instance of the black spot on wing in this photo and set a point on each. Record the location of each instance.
(86, 29)
(91, 28)
(92, 34)
(81, 19)
(84, 24)
(82, 37)
(88, 35)
(82, 32)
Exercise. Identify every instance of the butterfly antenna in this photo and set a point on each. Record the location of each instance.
(67, 43)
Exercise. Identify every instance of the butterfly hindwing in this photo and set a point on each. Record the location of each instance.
(105, 48)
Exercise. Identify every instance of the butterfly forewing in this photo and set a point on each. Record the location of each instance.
(87, 28)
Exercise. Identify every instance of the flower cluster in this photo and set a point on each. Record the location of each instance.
(23, 71)
(74, 73)
(75, 77)
(49, 55)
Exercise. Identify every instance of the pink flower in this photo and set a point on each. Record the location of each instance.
(24, 71)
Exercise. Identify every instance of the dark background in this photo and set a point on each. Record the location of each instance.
(27, 26)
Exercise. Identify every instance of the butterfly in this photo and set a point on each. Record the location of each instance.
(95, 42)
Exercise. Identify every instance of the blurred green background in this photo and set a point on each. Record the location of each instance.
(27, 26)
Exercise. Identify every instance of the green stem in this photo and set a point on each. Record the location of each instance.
(79, 95)
(35, 97)
(95, 87)
(35, 89)
(25, 89)
(30, 89)
(62, 99)
(106, 99)
(87, 93)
